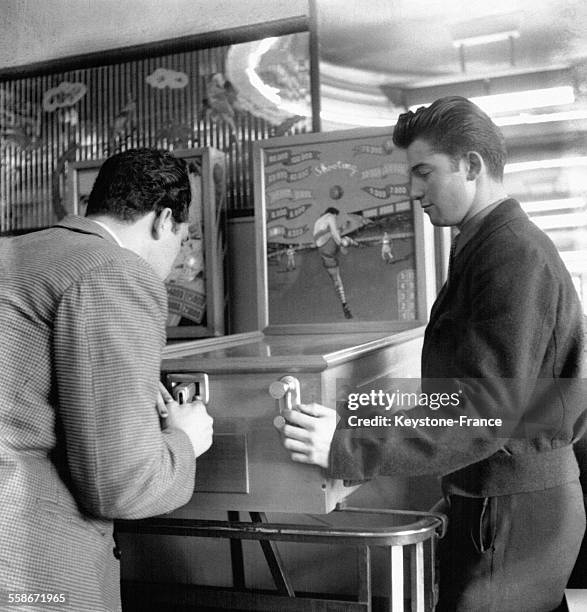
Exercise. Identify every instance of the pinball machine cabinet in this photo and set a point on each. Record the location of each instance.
(247, 467)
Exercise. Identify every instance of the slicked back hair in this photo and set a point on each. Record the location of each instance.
(454, 126)
(136, 182)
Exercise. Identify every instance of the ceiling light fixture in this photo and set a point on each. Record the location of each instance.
(527, 118)
(542, 164)
(521, 100)
(484, 39)
(543, 206)
(567, 221)
(483, 30)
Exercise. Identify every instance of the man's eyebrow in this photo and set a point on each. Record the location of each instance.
(415, 169)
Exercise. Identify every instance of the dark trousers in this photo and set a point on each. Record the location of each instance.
(511, 553)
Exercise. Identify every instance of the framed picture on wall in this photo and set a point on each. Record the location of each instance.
(341, 246)
(195, 286)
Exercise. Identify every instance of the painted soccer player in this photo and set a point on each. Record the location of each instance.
(386, 251)
(291, 258)
(330, 244)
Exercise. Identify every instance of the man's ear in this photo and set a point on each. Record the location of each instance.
(475, 164)
(160, 222)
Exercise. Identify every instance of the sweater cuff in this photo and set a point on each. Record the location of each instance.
(343, 463)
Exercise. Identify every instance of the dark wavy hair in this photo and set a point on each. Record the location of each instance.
(136, 182)
(454, 125)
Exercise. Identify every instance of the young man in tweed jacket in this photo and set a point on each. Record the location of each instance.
(84, 307)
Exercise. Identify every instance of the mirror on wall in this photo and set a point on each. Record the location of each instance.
(523, 61)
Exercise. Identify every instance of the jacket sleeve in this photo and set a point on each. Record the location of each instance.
(491, 348)
(108, 338)
(580, 445)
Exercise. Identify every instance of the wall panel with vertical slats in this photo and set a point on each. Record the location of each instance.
(124, 105)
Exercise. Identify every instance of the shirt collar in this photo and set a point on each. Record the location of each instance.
(104, 226)
(470, 227)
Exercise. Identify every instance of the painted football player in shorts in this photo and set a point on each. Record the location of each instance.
(330, 245)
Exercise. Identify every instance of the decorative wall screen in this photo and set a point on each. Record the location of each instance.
(174, 101)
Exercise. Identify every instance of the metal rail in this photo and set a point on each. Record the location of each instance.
(425, 529)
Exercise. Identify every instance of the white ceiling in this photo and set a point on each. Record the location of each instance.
(408, 41)
(392, 54)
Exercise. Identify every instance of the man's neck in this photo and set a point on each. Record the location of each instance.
(132, 236)
(107, 227)
(487, 196)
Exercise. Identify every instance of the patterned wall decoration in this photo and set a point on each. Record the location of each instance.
(174, 101)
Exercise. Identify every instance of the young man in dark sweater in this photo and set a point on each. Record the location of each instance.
(505, 336)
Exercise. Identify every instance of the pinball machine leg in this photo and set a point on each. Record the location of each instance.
(274, 561)
(236, 556)
(364, 594)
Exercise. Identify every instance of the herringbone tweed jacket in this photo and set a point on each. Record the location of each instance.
(82, 330)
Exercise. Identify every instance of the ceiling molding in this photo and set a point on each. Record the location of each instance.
(207, 40)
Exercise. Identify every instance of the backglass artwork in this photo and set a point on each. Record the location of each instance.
(366, 268)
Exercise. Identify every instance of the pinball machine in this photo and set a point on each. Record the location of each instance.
(306, 350)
